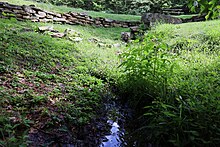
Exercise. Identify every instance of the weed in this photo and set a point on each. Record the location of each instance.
(176, 88)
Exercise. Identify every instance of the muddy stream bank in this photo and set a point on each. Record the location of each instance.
(110, 128)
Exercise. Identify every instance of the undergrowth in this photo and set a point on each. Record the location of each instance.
(47, 82)
(172, 79)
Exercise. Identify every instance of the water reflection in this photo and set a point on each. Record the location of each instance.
(115, 138)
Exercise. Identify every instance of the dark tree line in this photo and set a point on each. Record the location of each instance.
(119, 6)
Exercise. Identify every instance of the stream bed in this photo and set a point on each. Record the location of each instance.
(116, 114)
(107, 129)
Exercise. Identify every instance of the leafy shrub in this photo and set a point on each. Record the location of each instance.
(147, 68)
(180, 92)
(210, 8)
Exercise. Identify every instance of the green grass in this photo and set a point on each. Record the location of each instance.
(65, 9)
(175, 76)
(185, 16)
(61, 80)
(61, 83)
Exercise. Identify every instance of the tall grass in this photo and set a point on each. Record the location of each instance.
(178, 83)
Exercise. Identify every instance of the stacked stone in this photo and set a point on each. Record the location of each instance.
(38, 15)
(84, 19)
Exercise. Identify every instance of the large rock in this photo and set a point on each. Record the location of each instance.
(151, 18)
(125, 36)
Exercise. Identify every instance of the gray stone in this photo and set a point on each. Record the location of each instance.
(117, 45)
(109, 20)
(26, 17)
(41, 14)
(79, 22)
(74, 14)
(83, 14)
(19, 11)
(34, 20)
(124, 26)
(90, 19)
(58, 35)
(7, 11)
(75, 39)
(97, 22)
(46, 20)
(56, 19)
(49, 16)
(116, 25)
(71, 19)
(106, 25)
(45, 28)
(19, 16)
(95, 40)
(72, 33)
(67, 15)
(125, 36)
(28, 9)
(101, 44)
(57, 15)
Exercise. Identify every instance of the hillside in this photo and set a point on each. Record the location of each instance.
(49, 82)
(53, 90)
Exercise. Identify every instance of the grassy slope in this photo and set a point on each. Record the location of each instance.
(60, 81)
(185, 110)
(64, 9)
(49, 80)
(184, 16)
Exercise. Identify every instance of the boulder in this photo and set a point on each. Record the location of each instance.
(125, 36)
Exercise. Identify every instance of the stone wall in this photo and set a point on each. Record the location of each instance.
(38, 15)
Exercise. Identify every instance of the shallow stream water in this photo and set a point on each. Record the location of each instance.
(108, 129)
(117, 115)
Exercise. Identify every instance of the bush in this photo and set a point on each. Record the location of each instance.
(179, 92)
(117, 6)
(147, 67)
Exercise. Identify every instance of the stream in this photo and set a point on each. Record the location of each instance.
(116, 119)
(108, 129)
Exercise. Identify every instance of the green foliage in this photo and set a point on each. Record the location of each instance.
(211, 7)
(48, 82)
(147, 68)
(117, 6)
(191, 107)
(178, 101)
